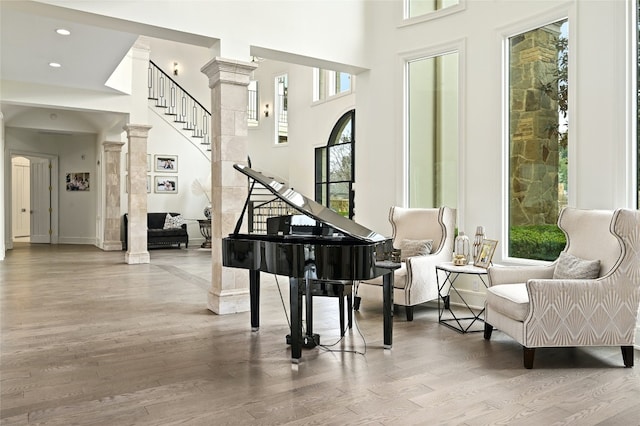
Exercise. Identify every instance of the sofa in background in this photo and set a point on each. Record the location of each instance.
(157, 234)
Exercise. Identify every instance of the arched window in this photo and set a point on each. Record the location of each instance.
(334, 167)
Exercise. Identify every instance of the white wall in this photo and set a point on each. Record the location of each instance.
(193, 164)
(372, 34)
(310, 125)
(190, 59)
(278, 25)
(597, 110)
(76, 153)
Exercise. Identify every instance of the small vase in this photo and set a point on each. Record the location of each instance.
(207, 212)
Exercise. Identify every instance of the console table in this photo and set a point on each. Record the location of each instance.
(446, 315)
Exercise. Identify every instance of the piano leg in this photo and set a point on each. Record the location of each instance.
(387, 308)
(295, 301)
(254, 298)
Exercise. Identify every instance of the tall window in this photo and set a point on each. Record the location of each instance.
(252, 103)
(415, 8)
(281, 107)
(538, 133)
(432, 124)
(334, 166)
(327, 83)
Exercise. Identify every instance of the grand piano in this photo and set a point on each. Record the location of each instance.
(322, 246)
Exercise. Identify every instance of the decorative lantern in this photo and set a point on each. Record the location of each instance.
(477, 242)
(462, 252)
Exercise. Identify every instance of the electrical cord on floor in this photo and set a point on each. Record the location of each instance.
(327, 348)
(284, 307)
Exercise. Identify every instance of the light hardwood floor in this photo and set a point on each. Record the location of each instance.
(89, 340)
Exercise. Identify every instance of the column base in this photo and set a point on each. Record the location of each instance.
(137, 258)
(229, 302)
(112, 246)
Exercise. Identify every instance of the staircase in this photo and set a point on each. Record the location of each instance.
(186, 113)
(192, 119)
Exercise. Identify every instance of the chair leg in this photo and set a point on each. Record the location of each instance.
(627, 355)
(528, 354)
(356, 303)
(488, 329)
(409, 310)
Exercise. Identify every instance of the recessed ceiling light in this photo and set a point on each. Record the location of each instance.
(54, 65)
(63, 31)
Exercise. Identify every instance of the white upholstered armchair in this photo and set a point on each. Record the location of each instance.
(414, 230)
(553, 306)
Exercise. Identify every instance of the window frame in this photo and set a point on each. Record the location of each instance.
(324, 85)
(634, 102)
(505, 35)
(324, 186)
(278, 109)
(406, 20)
(455, 46)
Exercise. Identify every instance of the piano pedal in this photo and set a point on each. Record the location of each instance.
(308, 342)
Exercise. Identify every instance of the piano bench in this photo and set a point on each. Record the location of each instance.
(340, 289)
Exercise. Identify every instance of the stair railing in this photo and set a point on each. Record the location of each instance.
(179, 104)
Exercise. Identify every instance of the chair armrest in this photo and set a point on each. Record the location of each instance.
(561, 310)
(518, 274)
(421, 270)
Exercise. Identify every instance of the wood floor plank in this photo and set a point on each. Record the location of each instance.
(89, 340)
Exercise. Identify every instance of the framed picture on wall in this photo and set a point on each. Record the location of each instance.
(166, 185)
(77, 181)
(166, 163)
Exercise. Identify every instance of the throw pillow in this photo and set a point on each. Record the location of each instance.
(410, 248)
(573, 268)
(173, 222)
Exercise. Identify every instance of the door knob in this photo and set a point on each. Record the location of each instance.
(23, 210)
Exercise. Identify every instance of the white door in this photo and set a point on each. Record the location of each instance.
(40, 200)
(21, 203)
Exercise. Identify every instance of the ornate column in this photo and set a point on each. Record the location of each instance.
(228, 80)
(137, 218)
(112, 214)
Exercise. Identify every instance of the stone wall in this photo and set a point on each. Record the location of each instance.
(533, 119)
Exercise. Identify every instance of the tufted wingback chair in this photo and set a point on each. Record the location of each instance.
(415, 281)
(536, 310)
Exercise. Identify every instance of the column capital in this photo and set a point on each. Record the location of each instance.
(112, 146)
(228, 71)
(137, 130)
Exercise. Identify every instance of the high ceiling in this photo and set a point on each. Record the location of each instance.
(29, 42)
(88, 56)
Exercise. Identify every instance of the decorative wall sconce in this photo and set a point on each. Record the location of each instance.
(175, 68)
(266, 110)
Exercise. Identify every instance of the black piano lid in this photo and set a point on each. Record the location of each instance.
(311, 208)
